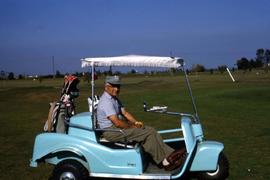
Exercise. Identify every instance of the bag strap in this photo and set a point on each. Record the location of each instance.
(50, 117)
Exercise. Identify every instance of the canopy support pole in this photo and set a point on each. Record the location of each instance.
(191, 95)
(93, 94)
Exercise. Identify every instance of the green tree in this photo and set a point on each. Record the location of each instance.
(198, 68)
(243, 63)
(20, 76)
(11, 76)
(258, 63)
(222, 68)
(252, 64)
(260, 54)
(58, 74)
(263, 55)
(267, 56)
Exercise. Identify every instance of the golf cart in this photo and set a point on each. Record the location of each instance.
(81, 152)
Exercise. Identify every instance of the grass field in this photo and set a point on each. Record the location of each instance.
(237, 114)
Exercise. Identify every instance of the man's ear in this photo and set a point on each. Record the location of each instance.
(106, 88)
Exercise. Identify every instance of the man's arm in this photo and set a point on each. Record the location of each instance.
(132, 119)
(121, 124)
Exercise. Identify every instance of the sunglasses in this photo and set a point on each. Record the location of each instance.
(114, 85)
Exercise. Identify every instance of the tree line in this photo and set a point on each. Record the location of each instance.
(261, 60)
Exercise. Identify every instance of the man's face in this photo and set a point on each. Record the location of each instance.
(112, 89)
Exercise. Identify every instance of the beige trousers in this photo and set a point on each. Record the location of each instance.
(148, 137)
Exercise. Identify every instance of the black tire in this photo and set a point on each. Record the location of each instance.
(221, 173)
(70, 169)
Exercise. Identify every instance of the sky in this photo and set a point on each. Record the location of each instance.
(207, 32)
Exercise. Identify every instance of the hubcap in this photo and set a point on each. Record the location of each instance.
(213, 173)
(67, 176)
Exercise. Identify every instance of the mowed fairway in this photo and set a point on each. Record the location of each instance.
(236, 114)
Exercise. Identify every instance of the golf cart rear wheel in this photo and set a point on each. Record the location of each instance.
(70, 170)
(222, 171)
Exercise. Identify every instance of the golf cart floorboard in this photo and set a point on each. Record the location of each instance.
(154, 169)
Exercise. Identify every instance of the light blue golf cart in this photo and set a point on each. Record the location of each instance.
(81, 152)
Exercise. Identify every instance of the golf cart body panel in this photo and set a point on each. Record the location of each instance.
(207, 152)
(206, 156)
(82, 120)
(84, 144)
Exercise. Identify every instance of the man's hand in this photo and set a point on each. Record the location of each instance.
(139, 124)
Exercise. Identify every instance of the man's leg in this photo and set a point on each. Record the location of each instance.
(149, 138)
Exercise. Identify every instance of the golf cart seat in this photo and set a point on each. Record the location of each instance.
(119, 144)
(91, 101)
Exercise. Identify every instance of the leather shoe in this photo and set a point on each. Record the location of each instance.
(171, 167)
(175, 159)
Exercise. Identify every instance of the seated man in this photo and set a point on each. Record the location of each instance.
(111, 114)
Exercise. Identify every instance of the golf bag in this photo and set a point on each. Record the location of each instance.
(61, 111)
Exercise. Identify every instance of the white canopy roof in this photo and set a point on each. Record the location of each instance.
(134, 60)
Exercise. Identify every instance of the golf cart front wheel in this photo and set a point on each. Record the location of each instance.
(221, 173)
(69, 170)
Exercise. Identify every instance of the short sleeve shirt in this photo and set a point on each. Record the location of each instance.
(107, 106)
